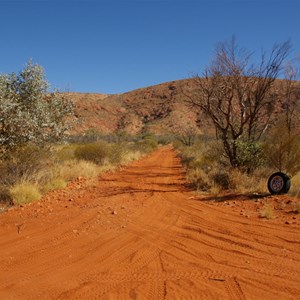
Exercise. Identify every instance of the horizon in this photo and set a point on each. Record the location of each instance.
(119, 46)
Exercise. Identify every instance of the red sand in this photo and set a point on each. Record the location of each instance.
(139, 234)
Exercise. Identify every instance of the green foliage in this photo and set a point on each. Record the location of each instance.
(206, 170)
(250, 156)
(28, 111)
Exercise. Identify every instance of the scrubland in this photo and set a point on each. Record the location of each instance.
(29, 172)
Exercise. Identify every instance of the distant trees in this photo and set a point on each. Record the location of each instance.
(28, 111)
(236, 94)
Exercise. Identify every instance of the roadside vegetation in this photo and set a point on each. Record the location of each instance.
(255, 120)
(240, 125)
(30, 171)
(208, 169)
(37, 152)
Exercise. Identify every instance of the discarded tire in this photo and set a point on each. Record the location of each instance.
(279, 183)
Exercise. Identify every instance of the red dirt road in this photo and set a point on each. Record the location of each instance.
(139, 234)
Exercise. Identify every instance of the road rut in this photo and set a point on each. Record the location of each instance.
(139, 233)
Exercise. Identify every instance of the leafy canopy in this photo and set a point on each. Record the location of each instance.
(28, 111)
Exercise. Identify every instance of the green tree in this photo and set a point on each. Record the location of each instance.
(29, 112)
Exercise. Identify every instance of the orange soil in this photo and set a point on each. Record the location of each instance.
(139, 234)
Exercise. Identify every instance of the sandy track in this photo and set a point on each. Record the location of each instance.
(139, 234)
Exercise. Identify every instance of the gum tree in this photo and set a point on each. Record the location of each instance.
(29, 112)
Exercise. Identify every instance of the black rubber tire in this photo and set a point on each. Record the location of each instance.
(279, 183)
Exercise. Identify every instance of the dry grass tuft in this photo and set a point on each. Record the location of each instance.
(267, 212)
(130, 156)
(295, 185)
(72, 169)
(296, 207)
(198, 179)
(243, 183)
(55, 184)
(215, 190)
(24, 192)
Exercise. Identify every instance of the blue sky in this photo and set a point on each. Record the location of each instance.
(117, 46)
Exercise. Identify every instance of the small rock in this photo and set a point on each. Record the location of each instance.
(114, 212)
(287, 222)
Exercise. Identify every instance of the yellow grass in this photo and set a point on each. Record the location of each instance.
(71, 169)
(24, 192)
(55, 184)
(267, 212)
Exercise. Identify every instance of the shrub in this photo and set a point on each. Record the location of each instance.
(5, 196)
(147, 144)
(250, 156)
(96, 152)
(23, 193)
(116, 153)
(207, 170)
(198, 179)
(26, 163)
(222, 180)
(65, 152)
(249, 183)
(29, 112)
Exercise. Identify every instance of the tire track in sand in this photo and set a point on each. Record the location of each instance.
(161, 244)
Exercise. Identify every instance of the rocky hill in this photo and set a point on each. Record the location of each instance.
(148, 109)
(152, 109)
